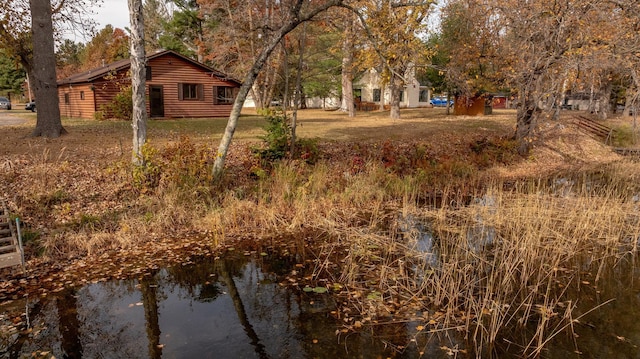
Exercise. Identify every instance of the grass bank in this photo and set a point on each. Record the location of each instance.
(429, 218)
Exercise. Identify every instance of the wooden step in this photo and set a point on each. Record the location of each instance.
(8, 249)
(4, 240)
(10, 259)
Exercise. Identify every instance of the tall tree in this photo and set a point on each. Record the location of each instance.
(16, 19)
(348, 47)
(539, 37)
(394, 29)
(138, 77)
(106, 46)
(156, 17)
(12, 75)
(43, 75)
(68, 58)
(183, 32)
(299, 11)
(237, 32)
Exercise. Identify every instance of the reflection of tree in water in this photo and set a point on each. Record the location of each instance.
(198, 281)
(149, 291)
(226, 277)
(111, 319)
(67, 305)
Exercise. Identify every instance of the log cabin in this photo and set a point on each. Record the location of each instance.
(176, 86)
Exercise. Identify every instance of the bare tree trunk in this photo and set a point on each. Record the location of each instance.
(605, 107)
(149, 291)
(270, 81)
(43, 75)
(628, 102)
(347, 70)
(285, 95)
(527, 116)
(251, 76)
(395, 87)
(138, 80)
(298, 94)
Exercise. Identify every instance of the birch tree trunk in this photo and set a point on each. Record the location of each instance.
(138, 80)
(250, 78)
(43, 73)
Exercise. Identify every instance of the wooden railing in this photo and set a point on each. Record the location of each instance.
(597, 129)
(10, 247)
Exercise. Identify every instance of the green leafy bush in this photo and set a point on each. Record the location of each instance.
(277, 139)
(121, 107)
(147, 176)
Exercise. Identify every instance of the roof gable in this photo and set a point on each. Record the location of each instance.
(97, 73)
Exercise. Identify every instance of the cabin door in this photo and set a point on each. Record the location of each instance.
(156, 101)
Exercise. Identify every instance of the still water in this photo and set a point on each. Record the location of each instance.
(238, 307)
(226, 308)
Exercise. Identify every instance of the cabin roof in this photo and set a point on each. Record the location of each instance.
(94, 74)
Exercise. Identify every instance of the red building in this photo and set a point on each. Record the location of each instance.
(177, 86)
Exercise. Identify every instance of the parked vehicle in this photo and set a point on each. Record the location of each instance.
(440, 102)
(30, 106)
(5, 103)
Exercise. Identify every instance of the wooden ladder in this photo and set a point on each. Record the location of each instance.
(11, 253)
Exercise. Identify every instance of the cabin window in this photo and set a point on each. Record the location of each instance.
(223, 95)
(376, 95)
(148, 73)
(401, 95)
(66, 99)
(190, 92)
(82, 95)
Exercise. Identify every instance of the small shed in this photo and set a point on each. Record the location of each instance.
(470, 106)
(177, 86)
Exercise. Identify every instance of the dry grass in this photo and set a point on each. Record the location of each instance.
(505, 261)
(500, 262)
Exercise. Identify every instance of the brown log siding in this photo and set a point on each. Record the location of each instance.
(80, 100)
(168, 71)
(171, 71)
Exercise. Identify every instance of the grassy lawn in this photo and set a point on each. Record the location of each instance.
(425, 124)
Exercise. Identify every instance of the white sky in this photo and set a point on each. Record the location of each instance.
(114, 12)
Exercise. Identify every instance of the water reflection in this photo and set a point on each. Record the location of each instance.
(236, 308)
(232, 308)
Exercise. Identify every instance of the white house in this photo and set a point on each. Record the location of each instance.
(369, 88)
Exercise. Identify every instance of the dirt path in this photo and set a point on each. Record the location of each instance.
(6, 119)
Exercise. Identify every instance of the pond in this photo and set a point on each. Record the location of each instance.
(234, 307)
(246, 305)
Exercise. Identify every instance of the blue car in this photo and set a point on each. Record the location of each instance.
(440, 102)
